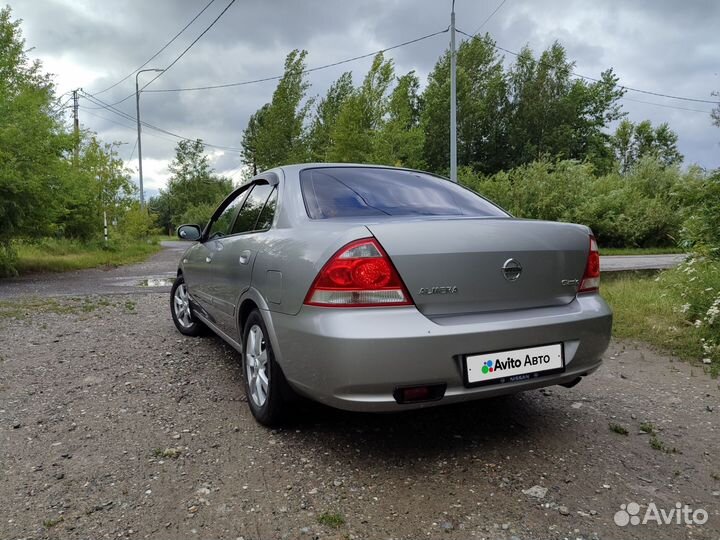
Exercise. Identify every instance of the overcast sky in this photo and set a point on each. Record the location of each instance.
(663, 46)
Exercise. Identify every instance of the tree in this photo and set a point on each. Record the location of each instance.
(32, 143)
(552, 113)
(250, 150)
(400, 139)
(633, 142)
(275, 134)
(361, 115)
(481, 109)
(192, 184)
(326, 116)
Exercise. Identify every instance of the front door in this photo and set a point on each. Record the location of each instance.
(200, 262)
(234, 255)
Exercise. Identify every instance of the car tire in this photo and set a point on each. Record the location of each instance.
(181, 311)
(265, 385)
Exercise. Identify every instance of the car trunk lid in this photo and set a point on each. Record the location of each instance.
(455, 266)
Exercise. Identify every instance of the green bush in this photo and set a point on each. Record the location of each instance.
(8, 257)
(138, 224)
(698, 283)
(640, 209)
(700, 199)
(199, 214)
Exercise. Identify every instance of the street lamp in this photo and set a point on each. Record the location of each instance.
(137, 104)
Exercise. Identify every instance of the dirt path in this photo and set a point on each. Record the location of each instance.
(159, 270)
(112, 425)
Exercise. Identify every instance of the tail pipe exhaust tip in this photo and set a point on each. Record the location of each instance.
(571, 383)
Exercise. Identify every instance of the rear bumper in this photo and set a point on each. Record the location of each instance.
(354, 359)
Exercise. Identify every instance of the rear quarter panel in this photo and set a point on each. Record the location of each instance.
(289, 259)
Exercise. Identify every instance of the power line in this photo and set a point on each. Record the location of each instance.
(309, 70)
(157, 53)
(111, 108)
(151, 133)
(489, 17)
(594, 79)
(664, 105)
(181, 54)
(133, 149)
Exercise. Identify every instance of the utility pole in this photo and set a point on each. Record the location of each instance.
(453, 102)
(76, 126)
(139, 130)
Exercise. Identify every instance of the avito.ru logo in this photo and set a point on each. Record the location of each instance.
(680, 515)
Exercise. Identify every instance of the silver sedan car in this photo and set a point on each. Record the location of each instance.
(373, 288)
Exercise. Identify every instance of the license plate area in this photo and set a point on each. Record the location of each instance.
(504, 366)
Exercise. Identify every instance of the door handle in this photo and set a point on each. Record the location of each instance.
(245, 256)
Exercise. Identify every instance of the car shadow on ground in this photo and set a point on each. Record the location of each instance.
(499, 424)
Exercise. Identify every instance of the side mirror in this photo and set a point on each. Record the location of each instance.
(189, 232)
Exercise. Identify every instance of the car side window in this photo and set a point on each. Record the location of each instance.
(221, 226)
(267, 215)
(251, 210)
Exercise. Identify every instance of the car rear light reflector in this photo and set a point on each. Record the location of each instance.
(418, 394)
(591, 279)
(359, 275)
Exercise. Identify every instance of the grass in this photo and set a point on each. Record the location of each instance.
(647, 427)
(50, 523)
(333, 520)
(641, 251)
(660, 446)
(62, 255)
(617, 428)
(645, 309)
(167, 453)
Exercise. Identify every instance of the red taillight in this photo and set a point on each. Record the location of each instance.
(591, 279)
(359, 275)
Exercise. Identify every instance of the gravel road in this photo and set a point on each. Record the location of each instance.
(113, 425)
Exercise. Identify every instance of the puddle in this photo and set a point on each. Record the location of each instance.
(157, 282)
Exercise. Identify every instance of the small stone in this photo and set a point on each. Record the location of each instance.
(633, 416)
(716, 493)
(709, 408)
(536, 491)
(313, 491)
(576, 405)
(593, 512)
(564, 510)
(176, 436)
(337, 483)
(505, 526)
(16, 425)
(707, 361)
(148, 492)
(606, 486)
(447, 526)
(305, 530)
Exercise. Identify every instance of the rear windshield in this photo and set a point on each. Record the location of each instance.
(363, 191)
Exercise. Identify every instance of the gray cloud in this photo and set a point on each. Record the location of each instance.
(664, 45)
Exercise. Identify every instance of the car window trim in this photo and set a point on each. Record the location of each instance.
(255, 229)
(222, 207)
(271, 179)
